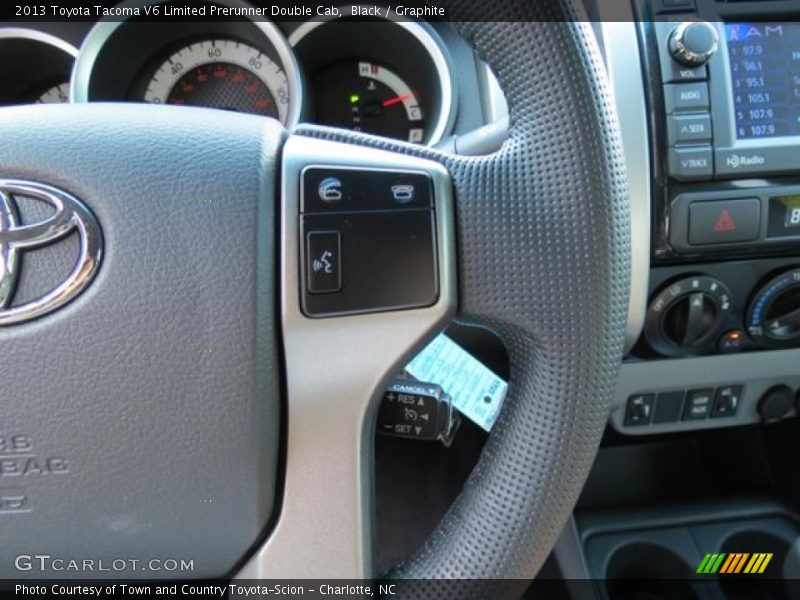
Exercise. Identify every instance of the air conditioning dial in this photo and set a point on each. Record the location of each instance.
(773, 320)
(685, 318)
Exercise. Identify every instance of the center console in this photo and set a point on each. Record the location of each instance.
(687, 499)
(722, 325)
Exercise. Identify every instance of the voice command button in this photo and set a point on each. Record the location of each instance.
(324, 262)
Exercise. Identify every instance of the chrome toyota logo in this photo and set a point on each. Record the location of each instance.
(18, 237)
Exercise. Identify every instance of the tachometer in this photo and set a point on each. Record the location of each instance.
(366, 96)
(223, 74)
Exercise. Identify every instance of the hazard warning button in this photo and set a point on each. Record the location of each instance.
(724, 221)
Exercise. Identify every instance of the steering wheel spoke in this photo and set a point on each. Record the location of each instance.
(336, 368)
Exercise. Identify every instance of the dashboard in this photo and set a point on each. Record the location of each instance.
(707, 94)
(403, 79)
(718, 347)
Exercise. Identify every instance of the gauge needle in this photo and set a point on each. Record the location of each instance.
(395, 100)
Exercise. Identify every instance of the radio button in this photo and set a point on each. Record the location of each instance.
(685, 97)
(688, 129)
(691, 163)
(724, 221)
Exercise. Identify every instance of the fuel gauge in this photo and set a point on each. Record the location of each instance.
(369, 97)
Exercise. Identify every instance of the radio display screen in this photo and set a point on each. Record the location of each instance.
(765, 73)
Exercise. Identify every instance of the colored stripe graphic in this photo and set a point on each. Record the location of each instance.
(717, 563)
(740, 563)
(711, 563)
(758, 563)
(734, 563)
(704, 564)
(732, 558)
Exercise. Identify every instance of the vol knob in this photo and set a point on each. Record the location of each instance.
(693, 43)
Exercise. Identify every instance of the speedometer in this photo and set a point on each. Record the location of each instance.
(224, 74)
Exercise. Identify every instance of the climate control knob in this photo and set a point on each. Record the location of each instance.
(685, 318)
(774, 316)
(693, 43)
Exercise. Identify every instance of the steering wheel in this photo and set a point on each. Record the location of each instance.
(177, 404)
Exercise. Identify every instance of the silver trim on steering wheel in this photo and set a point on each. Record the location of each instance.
(336, 369)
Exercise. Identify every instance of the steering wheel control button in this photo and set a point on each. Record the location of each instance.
(640, 410)
(686, 97)
(691, 163)
(418, 411)
(724, 221)
(385, 258)
(324, 262)
(327, 189)
(388, 262)
(727, 401)
(669, 407)
(689, 129)
(698, 404)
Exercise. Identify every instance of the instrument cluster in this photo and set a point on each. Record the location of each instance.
(384, 77)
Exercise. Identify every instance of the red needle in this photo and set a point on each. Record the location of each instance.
(395, 100)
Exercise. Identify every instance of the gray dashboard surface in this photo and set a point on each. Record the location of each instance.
(756, 371)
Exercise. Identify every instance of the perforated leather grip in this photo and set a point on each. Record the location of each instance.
(543, 248)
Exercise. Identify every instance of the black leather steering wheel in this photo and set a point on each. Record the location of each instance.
(160, 392)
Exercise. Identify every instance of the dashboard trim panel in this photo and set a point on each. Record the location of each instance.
(38, 36)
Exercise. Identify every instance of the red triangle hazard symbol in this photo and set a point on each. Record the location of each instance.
(725, 222)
